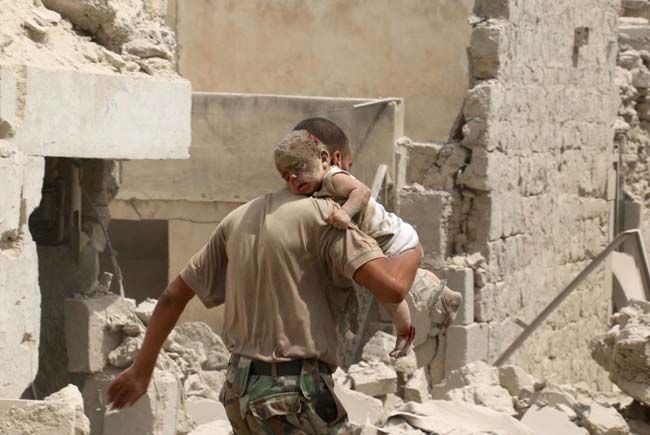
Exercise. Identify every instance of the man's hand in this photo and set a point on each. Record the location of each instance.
(127, 388)
(340, 219)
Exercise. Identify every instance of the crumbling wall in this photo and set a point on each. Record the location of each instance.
(517, 202)
(539, 123)
(21, 177)
(633, 128)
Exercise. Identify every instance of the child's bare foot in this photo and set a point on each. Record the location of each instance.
(446, 301)
(403, 344)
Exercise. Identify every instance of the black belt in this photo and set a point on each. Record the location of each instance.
(288, 368)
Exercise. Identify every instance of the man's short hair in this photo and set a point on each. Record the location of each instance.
(327, 132)
(299, 152)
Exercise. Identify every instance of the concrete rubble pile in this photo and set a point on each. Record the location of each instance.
(103, 36)
(104, 333)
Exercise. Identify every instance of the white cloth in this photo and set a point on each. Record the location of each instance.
(393, 235)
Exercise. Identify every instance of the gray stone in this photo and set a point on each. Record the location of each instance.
(71, 396)
(373, 379)
(37, 32)
(515, 379)
(124, 355)
(417, 388)
(490, 396)
(361, 408)
(34, 417)
(144, 310)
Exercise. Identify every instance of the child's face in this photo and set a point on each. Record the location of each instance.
(306, 183)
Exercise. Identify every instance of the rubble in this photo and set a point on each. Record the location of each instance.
(373, 378)
(545, 420)
(624, 351)
(71, 396)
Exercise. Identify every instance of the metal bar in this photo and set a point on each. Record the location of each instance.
(378, 181)
(563, 295)
(380, 101)
(645, 269)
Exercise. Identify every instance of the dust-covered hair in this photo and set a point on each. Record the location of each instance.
(327, 132)
(299, 152)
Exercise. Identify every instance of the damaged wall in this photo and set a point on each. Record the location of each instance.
(539, 123)
(56, 85)
(633, 128)
(369, 48)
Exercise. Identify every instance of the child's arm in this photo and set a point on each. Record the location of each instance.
(357, 194)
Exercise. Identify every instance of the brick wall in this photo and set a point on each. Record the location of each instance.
(531, 197)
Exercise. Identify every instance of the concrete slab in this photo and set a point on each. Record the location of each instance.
(35, 417)
(233, 137)
(78, 114)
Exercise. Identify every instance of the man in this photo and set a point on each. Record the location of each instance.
(282, 271)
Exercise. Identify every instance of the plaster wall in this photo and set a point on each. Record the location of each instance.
(539, 124)
(232, 158)
(362, 48)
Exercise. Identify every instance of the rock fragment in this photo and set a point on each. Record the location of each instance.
(373, 379)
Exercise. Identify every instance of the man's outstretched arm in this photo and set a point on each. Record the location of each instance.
(132, 383)
(390, 279)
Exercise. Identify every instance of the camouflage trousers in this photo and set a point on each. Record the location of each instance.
(274, 405)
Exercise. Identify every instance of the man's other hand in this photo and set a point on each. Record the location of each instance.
(127, 388)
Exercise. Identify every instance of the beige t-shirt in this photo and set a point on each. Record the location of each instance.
(283, 273)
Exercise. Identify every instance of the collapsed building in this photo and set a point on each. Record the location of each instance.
(516, 144)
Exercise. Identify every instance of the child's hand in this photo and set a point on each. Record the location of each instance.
(340, 219)
(403, 344)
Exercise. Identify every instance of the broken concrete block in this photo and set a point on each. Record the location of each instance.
(71, 396)
(484, 50)
(515, 379)
(490, 396)
(544, 420)
(155, 413)
(362, 409)
(624, 351)
(417, 388)
(204, 411)
(601, 420)
(122, 356)
(466, 344)
(378, 348)
(475, 373)
(392, 402)
(373, 378)
(144, 310)
(461, 279)
(189, 334)
(90, 330)
(36, 417)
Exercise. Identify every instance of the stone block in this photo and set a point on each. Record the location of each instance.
(362, 409)
(204, 411)
(466, 344)
(429, 212)
(544, 420)
(89, 331)
(99, 120)
(490, 396)
(602, 420)
(634, 32)
(419, 157)
(144, 310)
(484, 51)
(155, 413)
(8, 102)
(373, 379)
(515, 379)
(93, 391)
(461, 279)
(417, 388)
(492, 8)
(71, 396)
(35, 417)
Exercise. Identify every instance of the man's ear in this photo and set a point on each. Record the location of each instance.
(336, 158)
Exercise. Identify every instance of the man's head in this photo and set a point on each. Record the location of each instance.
(333, 137)
(302, 161)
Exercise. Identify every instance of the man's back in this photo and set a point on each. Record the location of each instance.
(286, 270)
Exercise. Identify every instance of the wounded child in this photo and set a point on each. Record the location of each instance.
(308, 167)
